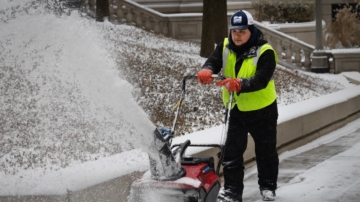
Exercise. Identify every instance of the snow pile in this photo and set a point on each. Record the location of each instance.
(74, 177)
(62, 101)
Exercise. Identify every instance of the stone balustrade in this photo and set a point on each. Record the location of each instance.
(344, 60)
(291, 51)
(179, 26)
(145, 18)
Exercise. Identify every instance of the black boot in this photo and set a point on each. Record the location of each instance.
(226, 195)
(267, 194)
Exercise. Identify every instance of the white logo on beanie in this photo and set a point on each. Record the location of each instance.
(237, 19)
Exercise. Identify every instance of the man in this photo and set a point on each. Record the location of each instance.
(248, 62)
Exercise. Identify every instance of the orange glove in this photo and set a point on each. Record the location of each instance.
(204, 76)
(230, 84)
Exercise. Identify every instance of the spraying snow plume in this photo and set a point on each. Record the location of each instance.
(62, 103)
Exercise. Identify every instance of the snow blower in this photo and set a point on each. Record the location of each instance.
(174, 177)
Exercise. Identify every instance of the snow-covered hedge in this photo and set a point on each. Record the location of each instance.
(281, 11)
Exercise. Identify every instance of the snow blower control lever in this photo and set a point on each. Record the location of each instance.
(179, 104)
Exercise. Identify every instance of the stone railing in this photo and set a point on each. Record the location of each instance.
(343, 60)
(291, 51)
(179, 26)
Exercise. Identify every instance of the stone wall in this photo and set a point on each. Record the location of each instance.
(302, 31)
(344, 60)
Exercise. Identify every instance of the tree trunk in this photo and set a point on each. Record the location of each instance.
(214, 25)
(221, 21)
(207, 34)
(102, 10)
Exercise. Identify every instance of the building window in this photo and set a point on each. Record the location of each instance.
(336, 7)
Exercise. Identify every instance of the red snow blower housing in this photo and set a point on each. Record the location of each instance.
(174, 177)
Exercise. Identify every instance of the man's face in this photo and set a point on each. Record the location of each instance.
(240, 37)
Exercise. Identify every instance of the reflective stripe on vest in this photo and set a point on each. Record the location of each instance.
(251, 100)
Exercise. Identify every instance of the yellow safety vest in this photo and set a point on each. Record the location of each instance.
(248, 101)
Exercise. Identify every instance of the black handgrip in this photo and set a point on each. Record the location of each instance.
(181, 148)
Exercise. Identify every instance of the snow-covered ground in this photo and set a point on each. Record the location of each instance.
(69, 59)
(330, 180)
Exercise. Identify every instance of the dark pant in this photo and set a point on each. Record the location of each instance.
(263, 131)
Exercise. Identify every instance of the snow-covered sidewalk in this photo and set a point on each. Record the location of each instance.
(326, 169)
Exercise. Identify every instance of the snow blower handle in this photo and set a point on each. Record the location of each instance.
(178, 106)
(224, 134)
(218, 76)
